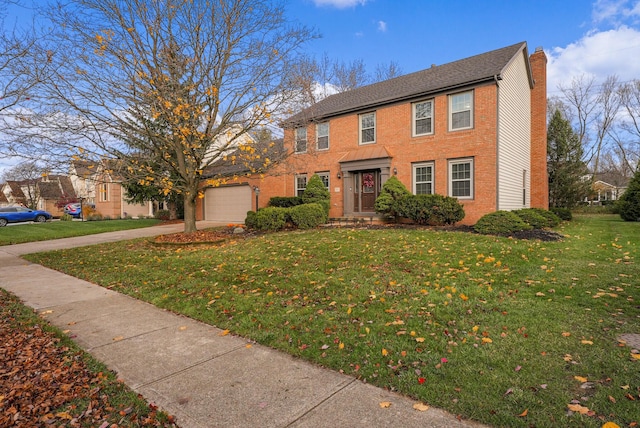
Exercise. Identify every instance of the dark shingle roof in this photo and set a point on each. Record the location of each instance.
(460, 73)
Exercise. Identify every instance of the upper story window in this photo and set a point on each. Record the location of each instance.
(368, 128)
(461, 111)
(461, 178)
(301, 184)
(104, 192)
(322, 135)
(301, 140)
(423, 178)
(423, 118)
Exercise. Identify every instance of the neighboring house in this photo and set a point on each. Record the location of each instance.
(473, 129)
(82, 174)
(4, 202)
(602, 191)
(110, 197)
(45, 192)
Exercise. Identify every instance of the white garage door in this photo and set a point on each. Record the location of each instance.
(227, 204)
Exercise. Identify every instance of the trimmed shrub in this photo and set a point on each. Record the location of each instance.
(315, 192)
(563, 213)
(433, 210)
(532, 218)
(285, 201)
(66, 217)
(392, 191)
(552, 219)
(307, 216)
(269, 218)
(500, 223)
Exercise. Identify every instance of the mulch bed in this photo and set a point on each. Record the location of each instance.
(220, 235)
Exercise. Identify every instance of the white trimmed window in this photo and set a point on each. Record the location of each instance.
(461, 178)
(423, 178)
(322, 136)
(301, 140)
(461, 111)
(368, 128)
(301, 184)
(423, 118)
(324, 176)
(104, 192)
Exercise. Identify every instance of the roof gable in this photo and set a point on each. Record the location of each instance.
(465, 72)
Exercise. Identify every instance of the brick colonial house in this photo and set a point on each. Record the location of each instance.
(474, 129)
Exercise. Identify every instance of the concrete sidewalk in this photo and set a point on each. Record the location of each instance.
(187, 368)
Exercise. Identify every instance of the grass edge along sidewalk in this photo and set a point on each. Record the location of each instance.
(506, 332)
(48, 380)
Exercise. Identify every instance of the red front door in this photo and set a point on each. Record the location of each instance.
(365, 191)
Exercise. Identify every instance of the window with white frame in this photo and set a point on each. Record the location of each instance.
(324, 176)
(461, 111)
(423, 178)
(301, 184)
(423, 118)
(368, 128)
(322, 136)
(461, 178)
(301, 140)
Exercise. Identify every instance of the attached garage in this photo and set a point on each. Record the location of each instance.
(227, 204)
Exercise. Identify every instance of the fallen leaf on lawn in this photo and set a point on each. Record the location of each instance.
(543, 386)
(384, 352)
(385, 404)
(341, 345)
(523, 414)
(611, 425)
(578, 409)
(420, 339)
(518, 368)
(509, 391)
(613, 400)
(566, 334)
(625, 387)
(540, 294)
(486, 340)
(635, 356)
(421, 407)
(421, 380)
(586, 342)
(223, 333)
(324, 347)
(580, 379)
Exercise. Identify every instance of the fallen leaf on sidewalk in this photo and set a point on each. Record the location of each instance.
(118, 338)
(223, 333)
(385, 404)
(421, 407)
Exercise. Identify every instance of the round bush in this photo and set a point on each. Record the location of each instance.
(532, 218)
(392, 190)
(552, 219)
(285, 201)
(307, 216)
(435, 210)
(315, 192)
(269, 218)
(500, 223)
(66, 217)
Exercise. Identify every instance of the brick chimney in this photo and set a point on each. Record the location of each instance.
(539, 179)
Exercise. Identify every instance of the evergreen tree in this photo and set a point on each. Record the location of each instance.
(316, 192)
(566, 171)
(629, 202)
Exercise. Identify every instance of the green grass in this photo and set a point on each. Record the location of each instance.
(66, 229)
(484, 327)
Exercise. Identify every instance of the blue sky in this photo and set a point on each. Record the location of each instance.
(579, 36)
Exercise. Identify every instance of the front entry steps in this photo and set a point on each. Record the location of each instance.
(353, 221)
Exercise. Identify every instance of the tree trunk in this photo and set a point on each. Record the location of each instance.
(190, 212)
(173, 210)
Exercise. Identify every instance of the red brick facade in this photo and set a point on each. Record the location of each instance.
(396, 150)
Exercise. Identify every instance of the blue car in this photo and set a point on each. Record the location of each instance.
(19, 214)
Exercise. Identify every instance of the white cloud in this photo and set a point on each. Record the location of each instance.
(340, 4)
(382, 26)
(616, 11)
(599, 54)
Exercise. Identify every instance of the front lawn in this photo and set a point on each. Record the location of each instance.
(506, 332)
(65, 229)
